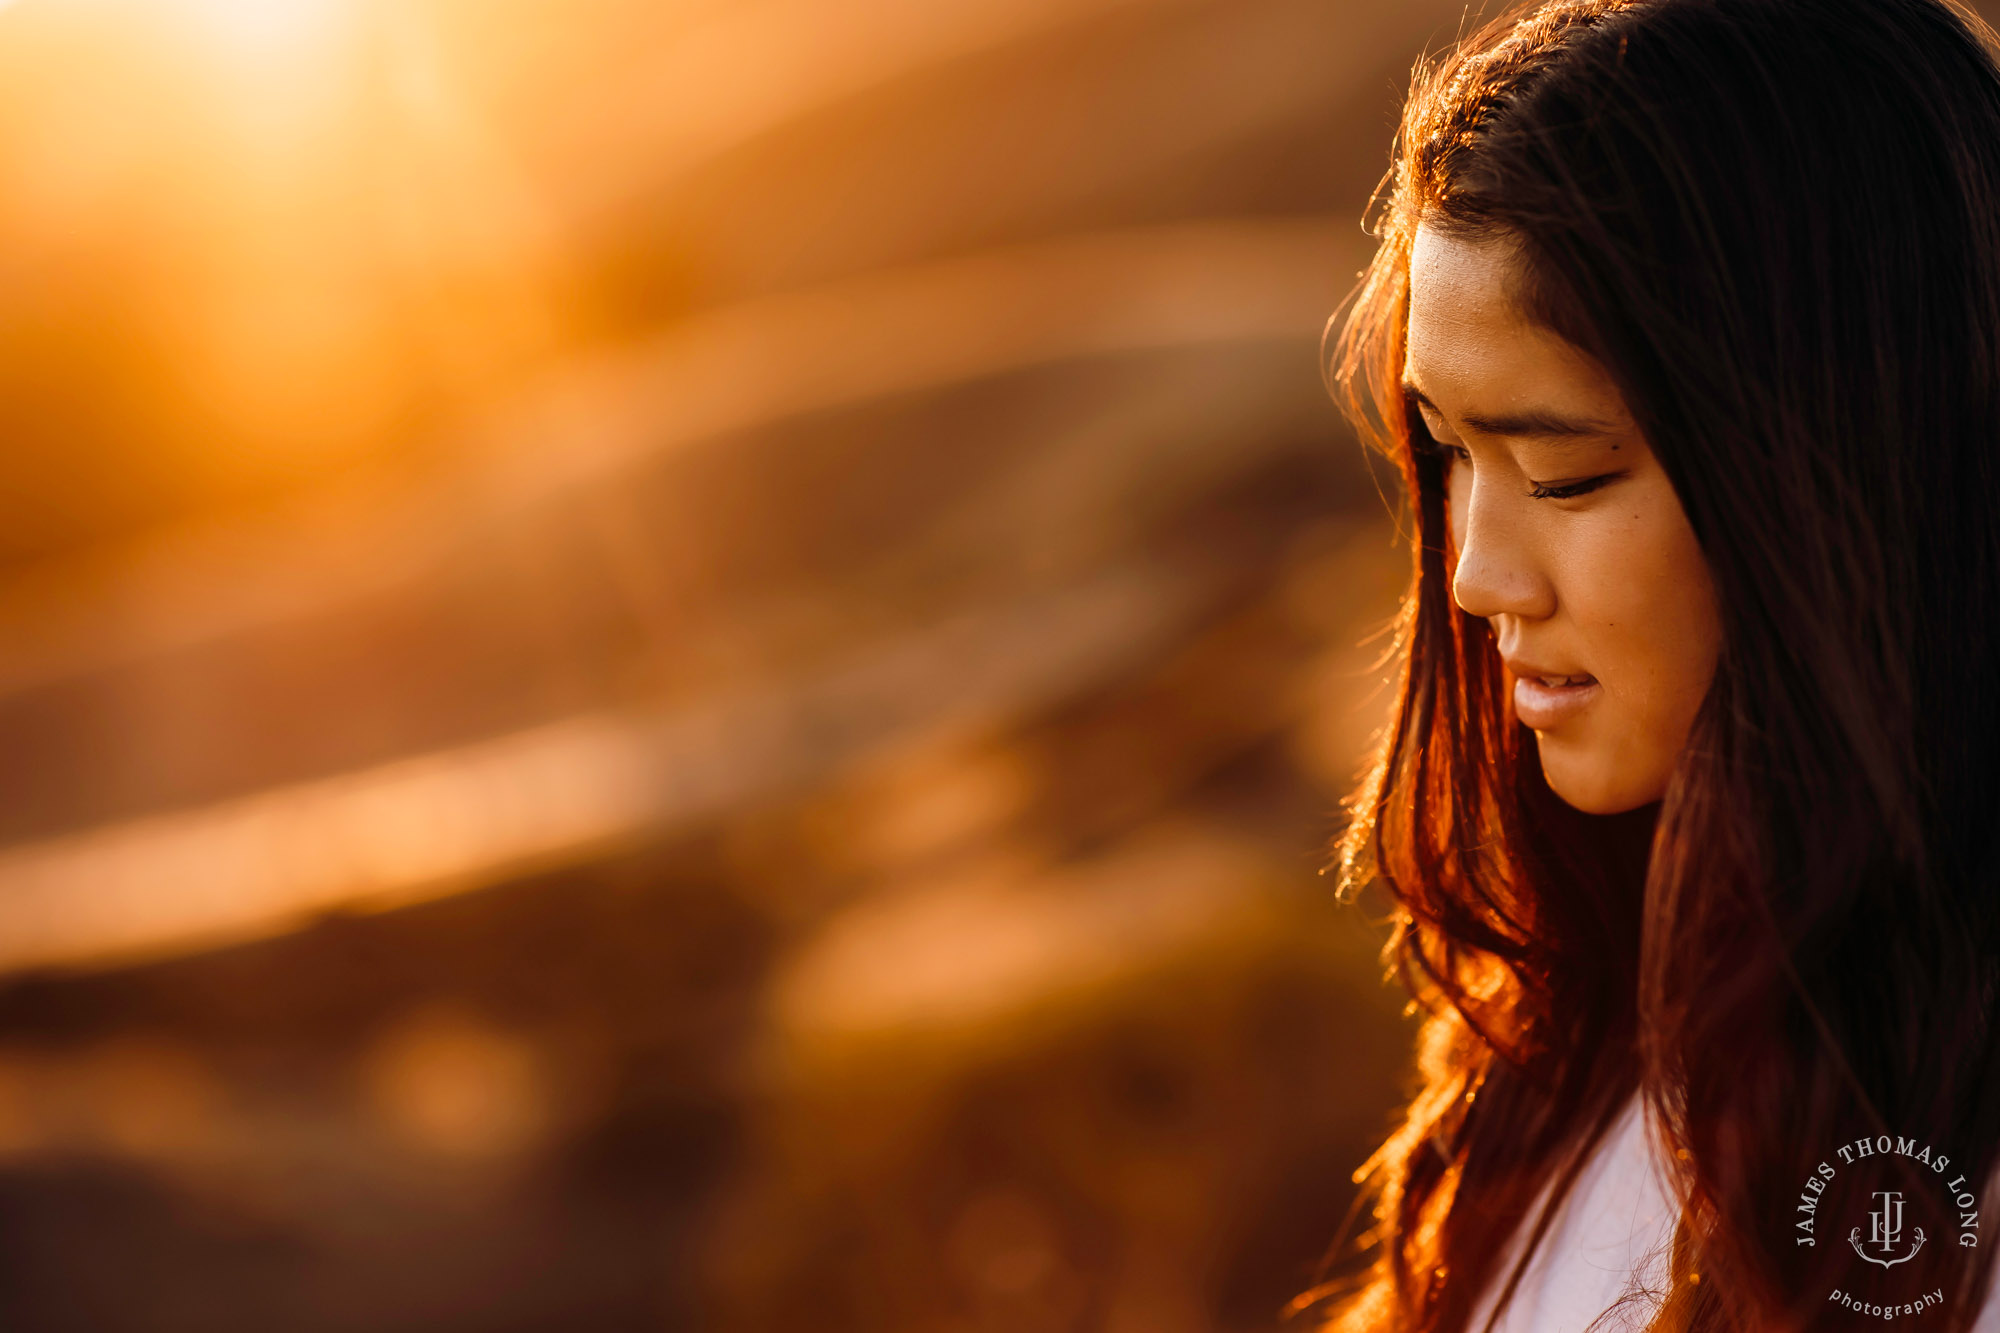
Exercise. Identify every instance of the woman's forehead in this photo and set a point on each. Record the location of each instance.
(1473, 350)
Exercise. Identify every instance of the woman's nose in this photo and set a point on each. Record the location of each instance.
(1497, 571)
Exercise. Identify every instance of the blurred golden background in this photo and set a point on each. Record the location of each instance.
(683, 665)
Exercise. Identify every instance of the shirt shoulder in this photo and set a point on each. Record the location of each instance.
(1608, 1241)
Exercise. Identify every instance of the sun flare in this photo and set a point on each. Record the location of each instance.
(260, 29)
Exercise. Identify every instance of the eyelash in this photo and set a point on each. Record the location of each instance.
(1456, 452)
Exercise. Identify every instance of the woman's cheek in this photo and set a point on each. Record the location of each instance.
(1652, 619)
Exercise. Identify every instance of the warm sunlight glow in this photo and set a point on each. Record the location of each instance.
(261, 29)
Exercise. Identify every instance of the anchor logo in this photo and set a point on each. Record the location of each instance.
(1885, 1228)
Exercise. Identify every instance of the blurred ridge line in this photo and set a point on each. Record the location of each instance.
(447, 822)
(846, 343)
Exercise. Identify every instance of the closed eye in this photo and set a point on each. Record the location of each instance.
(1457, 453)
(1568, 490)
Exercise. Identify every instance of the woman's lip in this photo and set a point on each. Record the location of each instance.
(1543, 707)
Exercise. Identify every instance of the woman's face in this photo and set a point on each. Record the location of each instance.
(1571, 542)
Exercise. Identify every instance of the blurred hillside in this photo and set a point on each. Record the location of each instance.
(684, 666)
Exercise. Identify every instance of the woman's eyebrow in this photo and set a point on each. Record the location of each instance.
(1532, 423)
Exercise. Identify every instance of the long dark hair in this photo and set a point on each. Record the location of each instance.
(1776, 224)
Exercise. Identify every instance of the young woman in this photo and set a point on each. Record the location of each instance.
(1684, 336)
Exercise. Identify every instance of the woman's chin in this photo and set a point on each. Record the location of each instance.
(1590, 788)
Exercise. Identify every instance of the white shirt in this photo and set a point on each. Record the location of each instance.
(1617, 1211)
(1617, 1221)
